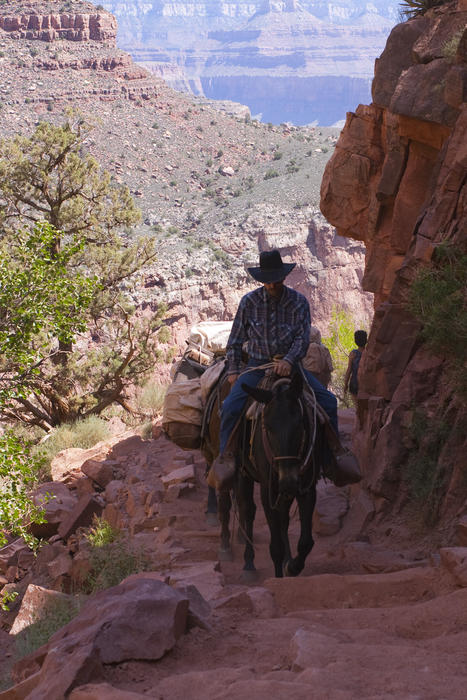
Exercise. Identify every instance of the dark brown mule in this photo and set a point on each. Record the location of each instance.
(210, 450)
(282, 450)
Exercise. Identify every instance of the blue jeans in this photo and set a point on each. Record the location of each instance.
(234, 403)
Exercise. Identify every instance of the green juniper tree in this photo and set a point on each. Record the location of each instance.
(40, 302)
(49, 177)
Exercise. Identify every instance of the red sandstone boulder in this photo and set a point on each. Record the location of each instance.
(57, 501)
(100, 472)
(139, 619)
(81, 516)
(36, 602)
(455, 561)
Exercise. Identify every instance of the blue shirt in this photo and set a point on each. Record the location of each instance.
(269, 327)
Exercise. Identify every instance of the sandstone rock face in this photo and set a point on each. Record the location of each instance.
(47, 22)
(397, 182)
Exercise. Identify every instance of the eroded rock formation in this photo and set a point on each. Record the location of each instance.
(48, 21)
(397, 181)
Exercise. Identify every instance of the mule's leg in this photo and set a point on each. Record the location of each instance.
(224, 504)
(306, 505)
(211, 507)
(285, 520)
(276, 542)
(246, 517)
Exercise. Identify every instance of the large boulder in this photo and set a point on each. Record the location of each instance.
(141, 618)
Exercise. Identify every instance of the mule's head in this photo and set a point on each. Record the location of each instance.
(282, 430)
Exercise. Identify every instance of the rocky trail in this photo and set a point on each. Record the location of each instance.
(370, 617)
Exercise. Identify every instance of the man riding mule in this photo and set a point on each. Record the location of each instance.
(273, 322)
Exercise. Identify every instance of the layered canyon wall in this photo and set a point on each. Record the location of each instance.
(58, 20)
(201, 177)
(288, 61)
(398, 182)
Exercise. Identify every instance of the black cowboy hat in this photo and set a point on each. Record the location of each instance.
(271, 268)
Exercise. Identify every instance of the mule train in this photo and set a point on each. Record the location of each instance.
(281, 444)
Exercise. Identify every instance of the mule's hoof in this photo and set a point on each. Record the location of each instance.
(289, 569)
(212, 520)
(225, 555)
(249, 576)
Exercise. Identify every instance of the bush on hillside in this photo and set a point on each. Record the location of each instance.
(412, 8)
(438, 299)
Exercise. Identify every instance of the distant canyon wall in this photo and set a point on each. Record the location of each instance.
(254, 52)
(398, 181)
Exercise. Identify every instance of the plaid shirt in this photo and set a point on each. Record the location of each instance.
(269, 327)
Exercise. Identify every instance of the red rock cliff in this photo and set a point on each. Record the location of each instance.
(48, 21)
(397, 181)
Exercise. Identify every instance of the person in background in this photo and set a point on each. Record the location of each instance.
(318, 359)
(351, 375)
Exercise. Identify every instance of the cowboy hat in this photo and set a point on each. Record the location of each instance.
(271, 268)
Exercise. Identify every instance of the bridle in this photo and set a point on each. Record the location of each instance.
(304, 453)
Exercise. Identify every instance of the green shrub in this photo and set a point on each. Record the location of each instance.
(111, 563)
(152, 397)
(84, 433)
(425, 478)
(20, 470)
(412, 8)
(7, 597)
(164, 335)
(47, 621)
(437, 299)
(171, 354)
(146, 430)
(277, 155)
(449, 49)
(101, 533)
(270, 174)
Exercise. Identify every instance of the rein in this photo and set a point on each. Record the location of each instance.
(305, 450)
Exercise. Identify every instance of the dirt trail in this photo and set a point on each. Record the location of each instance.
(335, 632)
(364, 620)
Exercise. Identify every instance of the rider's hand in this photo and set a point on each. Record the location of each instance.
(232, 378)
(282, 368)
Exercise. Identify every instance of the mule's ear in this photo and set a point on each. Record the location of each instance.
(261, 395)
(296, 385)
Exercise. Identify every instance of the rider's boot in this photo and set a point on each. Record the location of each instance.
(345, 469)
